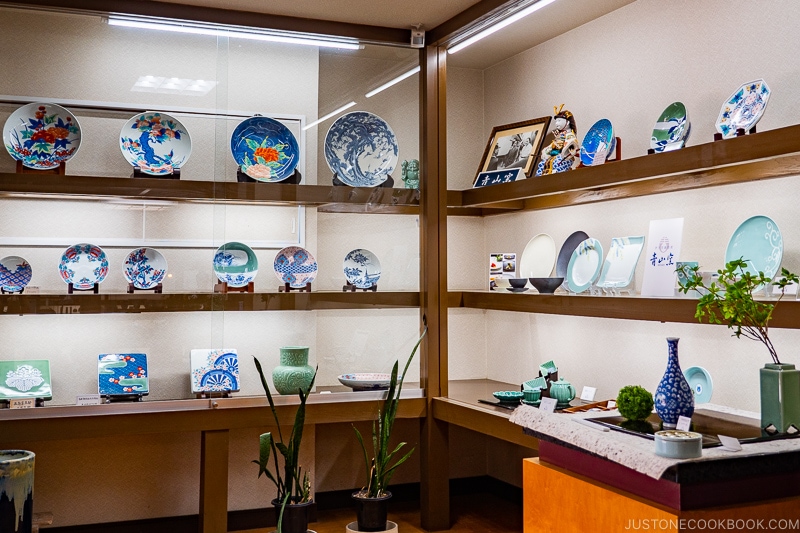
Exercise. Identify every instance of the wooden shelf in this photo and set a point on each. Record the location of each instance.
(766, 155)
(81, 304)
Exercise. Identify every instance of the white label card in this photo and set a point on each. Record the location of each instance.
(22, 403)
(684, 423)
(548, 405)
(88, 399)
(661, 256)
(612, 404)
(587, 394)
(730, 443)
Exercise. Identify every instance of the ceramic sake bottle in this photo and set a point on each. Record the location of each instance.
(673, 396)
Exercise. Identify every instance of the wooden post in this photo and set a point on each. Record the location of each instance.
(214, 482)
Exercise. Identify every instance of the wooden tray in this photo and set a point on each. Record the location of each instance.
(602, 406)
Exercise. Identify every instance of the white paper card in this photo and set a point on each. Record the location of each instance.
(22, 403)
(587, 394)
(662, 253)
(548, 405)
(730, 443)
(684, 423)
(88, 399)
(612, 404)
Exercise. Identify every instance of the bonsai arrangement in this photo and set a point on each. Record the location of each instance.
(635, 403)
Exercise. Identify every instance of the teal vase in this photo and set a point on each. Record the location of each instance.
(294, 372)
(780, 397)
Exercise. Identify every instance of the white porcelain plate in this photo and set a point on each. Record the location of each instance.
(700, 382)
(538, 257)
(584, 265)
(362, 268)
(83, 265)
(42, 135)
(621, 261)
(145, 268)
(744, 108)
(155, 143)
(366, 381)
(758, 241)
(15, 273)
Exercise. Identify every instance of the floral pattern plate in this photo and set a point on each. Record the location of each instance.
(155, 143)
(145, 268)
(235, 264)
(83, 265)
(122, 374)
(265, 149)
(671, 129)
(365, 381)
(621, 261)
(15, 273)
(361, 149)
(25, 379)
(295, 266)
(598, 143)
(744, 108)
(584, 265)
(41, 135)
(362, 268)
(214, 371)
(758, 241)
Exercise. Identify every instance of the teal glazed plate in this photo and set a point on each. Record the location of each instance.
(508, 396)
(584, 265)
(621, 261)
(759, 242)
(700, 382)
(566, 250)
(235, 264)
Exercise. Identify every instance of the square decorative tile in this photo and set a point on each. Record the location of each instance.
(214, 371)
(25, 379)
(122, 374)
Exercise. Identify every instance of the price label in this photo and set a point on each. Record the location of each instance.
(730, 443)
(548, 405)
(684, 423)
(612, 404)
(587, 394)
(88, 399)
(22, 403)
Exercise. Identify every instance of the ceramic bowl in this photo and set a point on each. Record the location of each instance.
(546, 285)
(508, 396)
(502, 283)
(532, 395)
(518, 283)
(677, 444)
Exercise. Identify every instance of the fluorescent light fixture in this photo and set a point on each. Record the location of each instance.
(329, 115)
(388, 84)
(162, 84)
(237, 34)
(500, 25)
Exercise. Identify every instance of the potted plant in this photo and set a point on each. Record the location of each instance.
(372, 500)
(635, 403)
(294, 488)
(730, 300)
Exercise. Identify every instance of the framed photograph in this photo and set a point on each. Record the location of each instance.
(514, 146)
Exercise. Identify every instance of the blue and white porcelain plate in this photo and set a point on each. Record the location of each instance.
(584, 265)
(214, 371)
(621, 261)
(700, 382)
(366, 381)
(362, 268)
(671, 129)
(155, 143)
(265, 149)
(122, 374)
(598, 143)
(145, 268)
(758, 241)
(296, 266)
(42, 135)
(83, 265)
(361, 149)
(15, 273)
(744, 108)
(235, 264)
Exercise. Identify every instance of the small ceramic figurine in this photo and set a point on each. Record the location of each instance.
(410, 172)
(561, 154)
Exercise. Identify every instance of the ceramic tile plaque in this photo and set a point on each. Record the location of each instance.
(25, 379)
(214, 371)
(122, 374)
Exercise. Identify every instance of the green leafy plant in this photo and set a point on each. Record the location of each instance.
(729, 300)
(634, 402)
(379, 469)
(293, 486)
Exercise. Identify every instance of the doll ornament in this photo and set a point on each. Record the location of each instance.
(562, 153)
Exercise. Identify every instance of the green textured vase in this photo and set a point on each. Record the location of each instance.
(780, 397)
(294, 372)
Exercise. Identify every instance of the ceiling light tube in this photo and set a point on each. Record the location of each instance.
(388, 84)
(237, 34)
(500, 25)
(329, 115)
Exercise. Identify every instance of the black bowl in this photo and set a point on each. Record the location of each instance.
(518, 283)
(546, 285)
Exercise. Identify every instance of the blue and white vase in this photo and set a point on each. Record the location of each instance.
(673, 397)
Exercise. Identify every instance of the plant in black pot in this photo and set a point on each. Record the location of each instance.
(372, 500)
(293, 500)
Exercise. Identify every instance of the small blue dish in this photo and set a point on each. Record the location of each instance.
(508, 396)
(700, 382)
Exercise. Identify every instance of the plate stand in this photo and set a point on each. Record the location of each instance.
(60, 170)
(288, 288)
(174, 175)
(95, 289)
(352, 288)
(114, 398)
(294, 179)
(739, 132)
(6, 404)
(224, 288)
(388, 184)
(3, 291)
(158, 289)
(616, 156)
(208, 395)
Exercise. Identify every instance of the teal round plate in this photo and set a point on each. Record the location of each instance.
(700, 382)
(508, 396)
(584, 265)
(534, 404)
(759, 242)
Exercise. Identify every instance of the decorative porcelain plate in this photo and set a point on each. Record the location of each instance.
(295, 266)
(83, 265)
(364, 381)
(744, 108)
(15, 273)
(361, 149)
(597, 143)
(41, 135)
(145, 268)
(538, 257)
(758, 241)
(214, 371)
(235, 264)
(584, 265)
(265, 149)
(155, 143)
(700, 382)
(25, 379)
(362, 268)
(565, 253)
(671, 129)
(621, 262)
(122, 374)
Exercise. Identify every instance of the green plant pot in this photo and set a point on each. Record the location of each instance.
(294, 372)
(780, 396)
